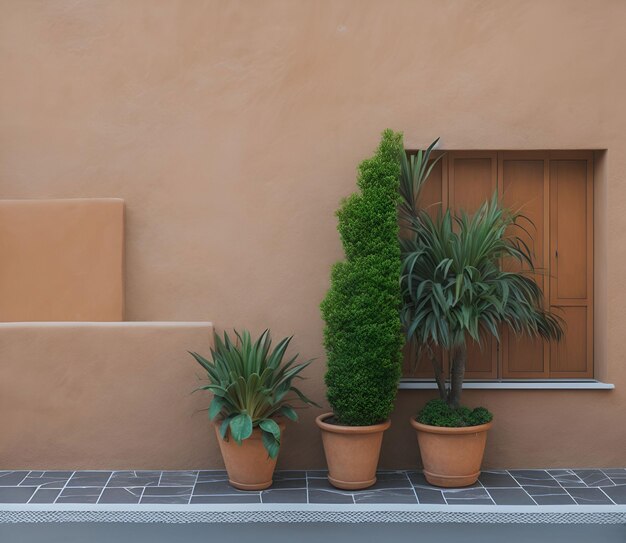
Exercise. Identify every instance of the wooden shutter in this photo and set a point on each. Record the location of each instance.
(472, 179)
(571, 263)
(524, 185)
(555, 191)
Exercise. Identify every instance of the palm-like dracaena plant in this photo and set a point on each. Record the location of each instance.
(455, 286)
(251, 386)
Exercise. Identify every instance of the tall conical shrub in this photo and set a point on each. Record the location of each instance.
(363, 334)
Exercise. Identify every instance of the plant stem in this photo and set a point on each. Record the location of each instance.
(457, 373)
(439, 377)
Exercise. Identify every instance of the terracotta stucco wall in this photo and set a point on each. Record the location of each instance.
(62, 260)
(232, 130)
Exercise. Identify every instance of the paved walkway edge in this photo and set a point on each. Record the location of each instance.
(229, 513)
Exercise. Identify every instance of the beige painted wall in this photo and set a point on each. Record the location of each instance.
(232, 130)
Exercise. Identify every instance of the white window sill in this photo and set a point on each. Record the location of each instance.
(513, 384)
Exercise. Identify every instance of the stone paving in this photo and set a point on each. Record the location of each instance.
(604, 487)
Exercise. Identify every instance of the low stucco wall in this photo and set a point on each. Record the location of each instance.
(118, 396)
(233, 129)
(96, 395)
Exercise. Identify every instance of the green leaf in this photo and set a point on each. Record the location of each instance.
(224, 426)
(216, 407)
(288, 412)
(271, 444)
(241, 427)
(268, 425)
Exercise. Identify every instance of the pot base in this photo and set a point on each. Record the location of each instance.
(451, 481)
(245, 486)
(351, 485)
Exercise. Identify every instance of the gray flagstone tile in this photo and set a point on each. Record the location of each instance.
(395, 495)
(510, 496)
(208, 476)
(290, 474)
(549, 495)
(178, 478)
(392, 479)
(181, 500)
(89, 478)
(429, 496)
(167, 490)
(45, 495)
(497, 479)
(567, 478)
(322, 484)
(290, 479)
(129, 479)
(466, 494)
(292, 495)
(215, 487)
(318, 495)
(250, 497)
(589, 496)
(544, 490)
(535, 474)
(121, 495)
(554, 499)
(616, 493)
(593, 477)
(620, 472)
(317, 473)
(16, 494)
(617, 475)
(166, 494)
(79, 495)
(45, 481)
(12, 478)
(534, 478)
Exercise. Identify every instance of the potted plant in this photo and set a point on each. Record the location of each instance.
(456, 286)
(363, 334)
(252, 396)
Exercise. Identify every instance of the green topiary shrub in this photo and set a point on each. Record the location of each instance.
(363, 334)
(438, 413)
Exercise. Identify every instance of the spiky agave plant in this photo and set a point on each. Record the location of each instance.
(455, 286)
(251, 386)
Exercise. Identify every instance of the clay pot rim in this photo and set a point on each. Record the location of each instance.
(340, 429)
(455, 430)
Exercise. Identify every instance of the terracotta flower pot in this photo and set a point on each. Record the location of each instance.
(351, 452)
(451, 456)
(248, 465)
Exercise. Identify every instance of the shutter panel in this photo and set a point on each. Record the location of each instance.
(524, 185)
(571, 254)
(472, 180)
